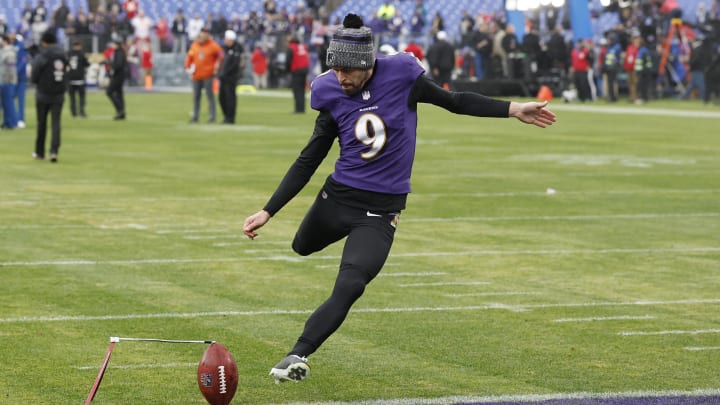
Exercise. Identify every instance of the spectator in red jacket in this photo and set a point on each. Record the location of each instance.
(416, 50)
(259, 62)
(629, 67)
(581, 59)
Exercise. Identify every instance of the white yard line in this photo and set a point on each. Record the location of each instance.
(491, 294)
(669, 332)
(136, 366)
(665, 112)
(565, 217)
(606, 318)
(528, 398)
(211, 237)
(701, 348)
(288, 258)
(494, 306)
(443, 284)
(51, 202)
(560, 192)
(200, 229)
(171, 231)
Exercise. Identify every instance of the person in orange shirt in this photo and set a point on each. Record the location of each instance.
(202, 62)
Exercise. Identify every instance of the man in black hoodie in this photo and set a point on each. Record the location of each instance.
(118, 72)
(49, 76)
(77, 67)
(441, 58)
(229, 74)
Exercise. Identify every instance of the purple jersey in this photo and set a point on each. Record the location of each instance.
(377, 129)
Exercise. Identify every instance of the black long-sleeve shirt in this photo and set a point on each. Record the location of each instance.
(49, 74)
(326, 131)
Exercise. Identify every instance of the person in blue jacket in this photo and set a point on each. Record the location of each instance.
(23, 58)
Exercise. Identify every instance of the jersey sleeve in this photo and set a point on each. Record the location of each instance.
(322, 91)
(305, 165)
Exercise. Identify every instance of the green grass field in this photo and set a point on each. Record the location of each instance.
(494, 287)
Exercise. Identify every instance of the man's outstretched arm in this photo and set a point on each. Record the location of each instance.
(299, 173)
(533, 112)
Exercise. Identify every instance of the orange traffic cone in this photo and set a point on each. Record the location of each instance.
(544, 93)
(148, 83)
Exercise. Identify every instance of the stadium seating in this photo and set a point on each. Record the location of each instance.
(12, 9)
(450, 10)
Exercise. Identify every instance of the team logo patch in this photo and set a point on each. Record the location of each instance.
(206, 379)
(366, 95)
(395, 220)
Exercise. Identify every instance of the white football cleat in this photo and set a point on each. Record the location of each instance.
(291, 368)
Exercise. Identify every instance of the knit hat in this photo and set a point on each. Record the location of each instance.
(351, 45)
(48, 37)
(230, 35)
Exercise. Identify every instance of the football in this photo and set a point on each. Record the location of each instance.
(217, 375)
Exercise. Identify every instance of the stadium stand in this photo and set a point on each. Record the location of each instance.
(12, 9)
(450, 10)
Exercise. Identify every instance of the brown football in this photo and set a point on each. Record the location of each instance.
(217, 375)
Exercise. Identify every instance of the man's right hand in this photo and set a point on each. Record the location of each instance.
(254, 222)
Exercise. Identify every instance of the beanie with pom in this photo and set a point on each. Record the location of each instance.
(351, 46)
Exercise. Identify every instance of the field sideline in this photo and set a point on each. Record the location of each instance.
(572, 265)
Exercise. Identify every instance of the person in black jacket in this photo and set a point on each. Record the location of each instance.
(77, 67)
(118, 72)
(441, 58)
(229, 74)
(49, 76)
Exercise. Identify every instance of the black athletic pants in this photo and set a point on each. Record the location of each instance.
(115, 93)
(55, 110)
(228, 99)
(369, 238)
(297, 84)
(79, 90)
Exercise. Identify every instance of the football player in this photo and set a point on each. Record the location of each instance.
(369, 105)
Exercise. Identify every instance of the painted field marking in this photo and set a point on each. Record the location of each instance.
(202, 237)
(101, 202)
(409, 274)
(701, 348)
(335, 266)
(665, 112)
(565, 217)
(669, 332)
(514, 308)
(172, 231)
(490, 294)
(277, 250)
(606, 318)
(80, 262)
(137, 366)
(244, 243)
(442, 284)
(543, 193)
(570, 397)
(405, 220)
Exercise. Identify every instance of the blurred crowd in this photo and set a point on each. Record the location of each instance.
(652, 51)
